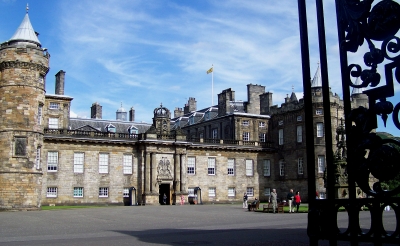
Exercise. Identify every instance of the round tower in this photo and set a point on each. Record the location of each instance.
(23, 68)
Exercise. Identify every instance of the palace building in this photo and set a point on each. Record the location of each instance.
(210, 155)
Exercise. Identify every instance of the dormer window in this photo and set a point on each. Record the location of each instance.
(110, 128)
(207, 115)
(133, 130)
(54, 105)
(191, 120)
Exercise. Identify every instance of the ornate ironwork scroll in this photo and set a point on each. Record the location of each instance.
(372, 161)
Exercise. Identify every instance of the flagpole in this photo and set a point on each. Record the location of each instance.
(212, 86)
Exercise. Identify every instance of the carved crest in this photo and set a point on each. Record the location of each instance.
(164, 169)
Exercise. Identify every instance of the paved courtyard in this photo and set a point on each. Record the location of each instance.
(153, 225)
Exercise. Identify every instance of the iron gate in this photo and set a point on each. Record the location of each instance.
(369, 157)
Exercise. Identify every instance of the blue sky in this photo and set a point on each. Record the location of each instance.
(145, 52)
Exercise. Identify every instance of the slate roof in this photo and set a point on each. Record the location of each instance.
(25, 32)
(316, 81)
(100, 125)
(293, 97)
(357, 90)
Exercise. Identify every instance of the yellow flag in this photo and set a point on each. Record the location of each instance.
(210, 70)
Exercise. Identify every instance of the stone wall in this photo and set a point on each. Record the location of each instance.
(65, 179)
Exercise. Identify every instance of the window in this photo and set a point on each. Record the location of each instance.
(211, 192)
(281, 168)
(299, 134)
(201, 135)
(110, 128)
(211, 166)
(261, 124)
(127, 164)
(207, 115)
(245, 123)
(320, 130)
(215, 133)
(53, 123)
(133, 130)
(231, 191)
(190, 192)
(280, 122)
(54, 105)
(191, 120)
(40, 114)
(231, 167)
(321, 164)
(103, 163)
(125, 192)
(267, 191)
(318, 111)
(246, 136)
(250, 191)
(322, 195)
(51, 192)
(20, 146)
(262, 137)
(38, 156)
(280, 132)
(41, 79)
(300, 168)
(103, 192)
(78, 191)
(191, 166)
(299, 118)
(78, 162)
(267, 167)
(249, 167)
(52, 161)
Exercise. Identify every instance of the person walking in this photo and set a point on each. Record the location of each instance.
(165, 199)
(245, 200)
(274, 199)
(297, 200)
(182, 199)
(290, 198)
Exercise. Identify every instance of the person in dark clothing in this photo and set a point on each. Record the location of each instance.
(245, 200)
(290, 198)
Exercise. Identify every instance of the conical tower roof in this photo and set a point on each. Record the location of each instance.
(293, 97)
(316, 81)
(25, 32)
(357, 90)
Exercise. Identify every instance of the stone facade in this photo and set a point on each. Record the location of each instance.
(211, 155)
(23, 68)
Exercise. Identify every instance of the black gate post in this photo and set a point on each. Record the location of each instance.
(313, 212)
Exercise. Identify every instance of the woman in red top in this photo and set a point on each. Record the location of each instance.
(297, 200)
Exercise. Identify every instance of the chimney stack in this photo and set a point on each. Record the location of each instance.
(132, 114)
(60, 81)
(96, 111)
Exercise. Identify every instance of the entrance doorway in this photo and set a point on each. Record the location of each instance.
(164, 189)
